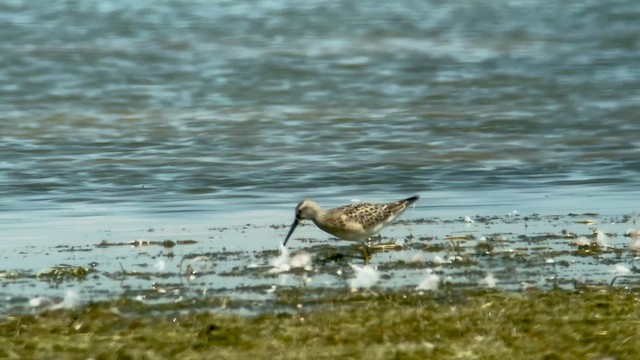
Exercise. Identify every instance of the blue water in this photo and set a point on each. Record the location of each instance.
(114, 109)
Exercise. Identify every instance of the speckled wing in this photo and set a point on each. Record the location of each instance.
(373, 217)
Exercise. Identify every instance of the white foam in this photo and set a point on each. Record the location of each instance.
(430, 282)
(366, 277)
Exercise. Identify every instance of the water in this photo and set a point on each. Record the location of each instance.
(120, 117)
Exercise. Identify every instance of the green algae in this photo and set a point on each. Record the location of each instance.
(590, 323)
(229, 304)
(63, 272)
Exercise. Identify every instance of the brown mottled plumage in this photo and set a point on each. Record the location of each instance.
(358, 221)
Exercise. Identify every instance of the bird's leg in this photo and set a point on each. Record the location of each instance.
(365, 251)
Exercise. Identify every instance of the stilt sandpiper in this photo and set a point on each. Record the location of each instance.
(358, 221)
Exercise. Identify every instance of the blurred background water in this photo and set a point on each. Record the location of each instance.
(128, 115)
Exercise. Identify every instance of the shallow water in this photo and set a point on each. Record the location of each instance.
(119, 118)
(225, 272)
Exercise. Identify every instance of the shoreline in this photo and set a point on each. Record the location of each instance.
(236, 264)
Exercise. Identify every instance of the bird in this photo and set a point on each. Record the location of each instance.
(357, 221)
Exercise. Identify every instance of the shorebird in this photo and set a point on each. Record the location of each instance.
(358, 221)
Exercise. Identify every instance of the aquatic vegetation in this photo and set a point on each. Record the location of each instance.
(64, 272)
(592, 322)
(521, 252)
(142, 242)
(553, 283)
(14, 274)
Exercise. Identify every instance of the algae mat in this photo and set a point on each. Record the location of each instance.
(590, 323)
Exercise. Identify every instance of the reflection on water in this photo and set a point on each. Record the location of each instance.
(156, 103)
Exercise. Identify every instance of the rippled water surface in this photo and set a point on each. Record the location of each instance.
(119, 117)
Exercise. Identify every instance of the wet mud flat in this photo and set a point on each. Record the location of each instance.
(554, 286)
(245, 270)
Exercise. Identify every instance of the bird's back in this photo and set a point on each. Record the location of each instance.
(360, 221)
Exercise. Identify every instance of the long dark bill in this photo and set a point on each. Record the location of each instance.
(293, 227)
